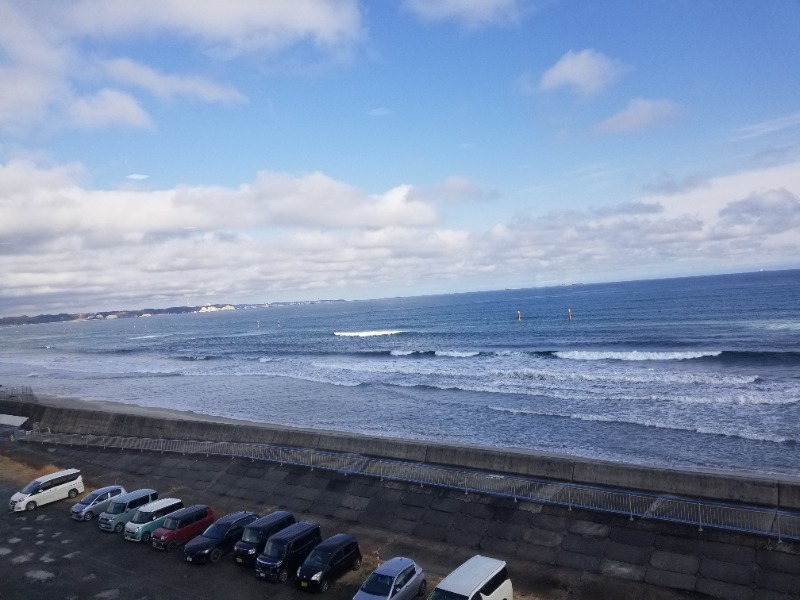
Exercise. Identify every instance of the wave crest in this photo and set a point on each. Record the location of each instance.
(368, 333)
(633, 355)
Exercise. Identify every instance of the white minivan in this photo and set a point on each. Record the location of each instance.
(48, 488)
(480, 578)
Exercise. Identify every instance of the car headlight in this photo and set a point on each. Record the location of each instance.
(316, 576)
(251, 551)
(298, 571)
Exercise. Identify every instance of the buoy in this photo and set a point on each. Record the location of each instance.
(519, 316)
(569, 314)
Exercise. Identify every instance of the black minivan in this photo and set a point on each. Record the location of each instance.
(286, 550)
(331, 559)
(256, 534)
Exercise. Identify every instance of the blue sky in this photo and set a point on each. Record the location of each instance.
(190, 152)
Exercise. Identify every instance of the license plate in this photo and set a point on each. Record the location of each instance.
(239, 559)
(303, 584)
(188, 559)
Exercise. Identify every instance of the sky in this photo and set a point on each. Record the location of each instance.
(185, 152)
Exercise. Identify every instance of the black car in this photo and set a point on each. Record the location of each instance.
(257, 533)
(329, 560)
(219, 538)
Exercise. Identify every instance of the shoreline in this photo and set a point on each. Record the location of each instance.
(95, 417)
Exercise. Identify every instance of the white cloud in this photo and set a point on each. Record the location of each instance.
(137, 176)
(126, 71)
(473, 14)
(640, 114)
(767, 127)
(586, 72)
(243, 25)
(43, 50)
(66, 247)
(108, 108)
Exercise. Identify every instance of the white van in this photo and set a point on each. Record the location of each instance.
(48, 488)
(480, 578)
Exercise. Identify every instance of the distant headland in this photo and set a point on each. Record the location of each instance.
(148, 312)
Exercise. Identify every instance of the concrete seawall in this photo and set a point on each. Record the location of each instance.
(772, 492)
(548, 546)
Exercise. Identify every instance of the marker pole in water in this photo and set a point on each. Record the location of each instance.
(519, 316)
(569, 314)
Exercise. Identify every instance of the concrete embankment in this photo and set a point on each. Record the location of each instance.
(573, 553)
(772, 492)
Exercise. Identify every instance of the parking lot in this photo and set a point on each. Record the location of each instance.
(44, 554)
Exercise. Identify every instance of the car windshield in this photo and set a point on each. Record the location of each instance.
(378, 585)
(90, 498)
(170, 523)
(216, 531)
(318, 560)
(31, 487)
(116, 508)
(275, 550)
(251, 535)
(142, 517)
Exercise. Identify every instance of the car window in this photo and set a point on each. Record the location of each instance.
(403, 578)
(377, 585)
(318, 559)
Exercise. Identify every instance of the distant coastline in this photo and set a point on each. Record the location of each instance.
(147, 312)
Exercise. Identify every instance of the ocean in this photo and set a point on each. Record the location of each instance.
(698, 373)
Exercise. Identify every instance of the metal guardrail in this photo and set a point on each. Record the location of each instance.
(751, 519)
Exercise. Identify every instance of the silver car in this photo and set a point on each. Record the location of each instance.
(398, 578)
(95, 503)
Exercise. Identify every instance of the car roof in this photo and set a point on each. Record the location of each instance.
(133, 494)
(466, 578)
(107, 488)
(156, 504)
(335, 541)
(394, 566)
(189, 510)
(295, 530)
(269, 519)
(236, 516)
(50, 476)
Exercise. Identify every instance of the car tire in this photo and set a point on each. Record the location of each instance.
(119, 527)
(30, 505)
(323, 585)
(283, 575)
(172, 545)
(88, 515)
(146, 537)
(423, 587)
(356, 564)
(215, 555)
(72, 493)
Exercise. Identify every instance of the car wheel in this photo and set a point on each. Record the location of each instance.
(423, 587)
(283, 575)
(357, 564)
(215, 554)
(323, 585)
(72, 493)
(30, 506)
(88, 515)
(146, 537)
(119, 527)
(172, 545)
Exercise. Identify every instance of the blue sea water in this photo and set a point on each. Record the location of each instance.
(700, 372)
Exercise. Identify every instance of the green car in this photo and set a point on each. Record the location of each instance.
(149, 518)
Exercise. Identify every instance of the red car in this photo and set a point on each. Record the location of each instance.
(181, 526)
